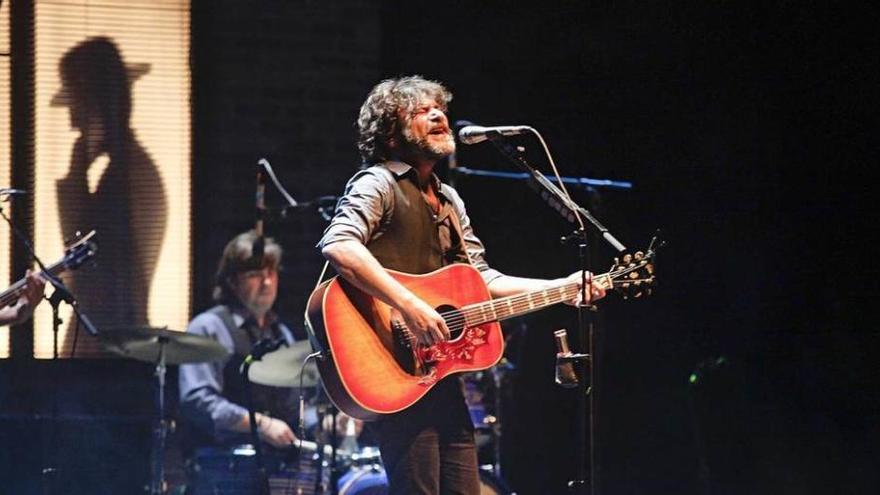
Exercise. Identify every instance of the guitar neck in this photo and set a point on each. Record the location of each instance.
(9, 296)
(520, 304)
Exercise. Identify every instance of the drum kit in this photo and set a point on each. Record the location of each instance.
(312, 466)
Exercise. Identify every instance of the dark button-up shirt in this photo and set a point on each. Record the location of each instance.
(202, 384)
(368, 203)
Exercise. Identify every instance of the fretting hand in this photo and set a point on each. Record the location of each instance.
(594, 291)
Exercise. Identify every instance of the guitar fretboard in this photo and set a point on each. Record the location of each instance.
(11, 295)
(520, 304)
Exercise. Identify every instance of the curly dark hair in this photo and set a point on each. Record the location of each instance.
(380, 117)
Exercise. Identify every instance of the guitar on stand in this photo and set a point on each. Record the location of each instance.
(372, 364)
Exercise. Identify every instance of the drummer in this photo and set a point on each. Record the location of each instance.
(213, 407)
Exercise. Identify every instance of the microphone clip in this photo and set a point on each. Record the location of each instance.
(567, 361)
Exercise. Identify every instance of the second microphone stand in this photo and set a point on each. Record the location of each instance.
(572, 212)
(260, 349)
(60, 293)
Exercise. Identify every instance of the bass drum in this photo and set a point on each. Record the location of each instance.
(233, 471)
(372, 481)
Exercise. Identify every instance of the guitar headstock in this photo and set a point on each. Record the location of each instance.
(632, 275)
(80, 250)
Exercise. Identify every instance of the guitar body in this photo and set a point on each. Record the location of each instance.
(369, 368)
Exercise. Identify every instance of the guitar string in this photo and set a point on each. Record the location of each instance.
(521, 300)
(457, 319)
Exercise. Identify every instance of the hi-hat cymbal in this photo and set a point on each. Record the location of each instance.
(282, 368)
(144, 344)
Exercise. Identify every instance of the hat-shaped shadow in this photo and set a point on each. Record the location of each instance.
(128, 208)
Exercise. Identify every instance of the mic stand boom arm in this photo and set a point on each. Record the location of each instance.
(551, 194)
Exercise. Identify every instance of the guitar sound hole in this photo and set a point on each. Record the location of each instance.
(454, 330)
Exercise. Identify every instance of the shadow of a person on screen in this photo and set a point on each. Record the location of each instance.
(126, 202)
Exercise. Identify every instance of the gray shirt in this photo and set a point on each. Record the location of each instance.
(368, 203)
(201, 384)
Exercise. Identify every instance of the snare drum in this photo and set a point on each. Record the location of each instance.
(363, 481)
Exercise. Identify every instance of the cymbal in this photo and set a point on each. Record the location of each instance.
(144, 343)
(281, 368)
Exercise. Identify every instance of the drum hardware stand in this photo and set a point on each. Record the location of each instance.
(260, 349)
(160, 431)
(560, 201)
(497, 421)
(61, 293)
(334, 444)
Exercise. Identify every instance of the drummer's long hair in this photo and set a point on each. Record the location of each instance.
(238, 256)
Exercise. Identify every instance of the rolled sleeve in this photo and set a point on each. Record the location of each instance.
(360, 211)
(201, 384)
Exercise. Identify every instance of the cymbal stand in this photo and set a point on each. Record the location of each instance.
(321, 462)
(50, 471)
(61, 293)
(160, 431)
(260, 349)
(262, 475)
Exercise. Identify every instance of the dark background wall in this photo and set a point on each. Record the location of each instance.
(745, 129)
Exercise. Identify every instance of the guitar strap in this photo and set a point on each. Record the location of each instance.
(310, 331)
(456, 226)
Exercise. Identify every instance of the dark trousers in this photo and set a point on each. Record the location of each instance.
(429, 449)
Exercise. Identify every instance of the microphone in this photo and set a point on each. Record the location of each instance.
(8, 191)
(263, 347)
(260, 242)
(473, 134)
(565, 375)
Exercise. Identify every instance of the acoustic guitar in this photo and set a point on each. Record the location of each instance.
(373, 366)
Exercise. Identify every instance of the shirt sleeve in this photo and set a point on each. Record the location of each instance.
(201, 384)
(367, 200)
(474, 248)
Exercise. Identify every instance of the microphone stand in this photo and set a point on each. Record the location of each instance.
(324, 204)
(259, 350)
(61, 293)
(560, 201)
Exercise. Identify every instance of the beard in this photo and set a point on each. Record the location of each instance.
(426, 147)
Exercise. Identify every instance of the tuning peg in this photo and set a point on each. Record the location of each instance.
(70, 240)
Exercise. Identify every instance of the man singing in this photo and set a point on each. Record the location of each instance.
(396, 214)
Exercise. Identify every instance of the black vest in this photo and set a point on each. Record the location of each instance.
(410, 241)
(278, 402)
